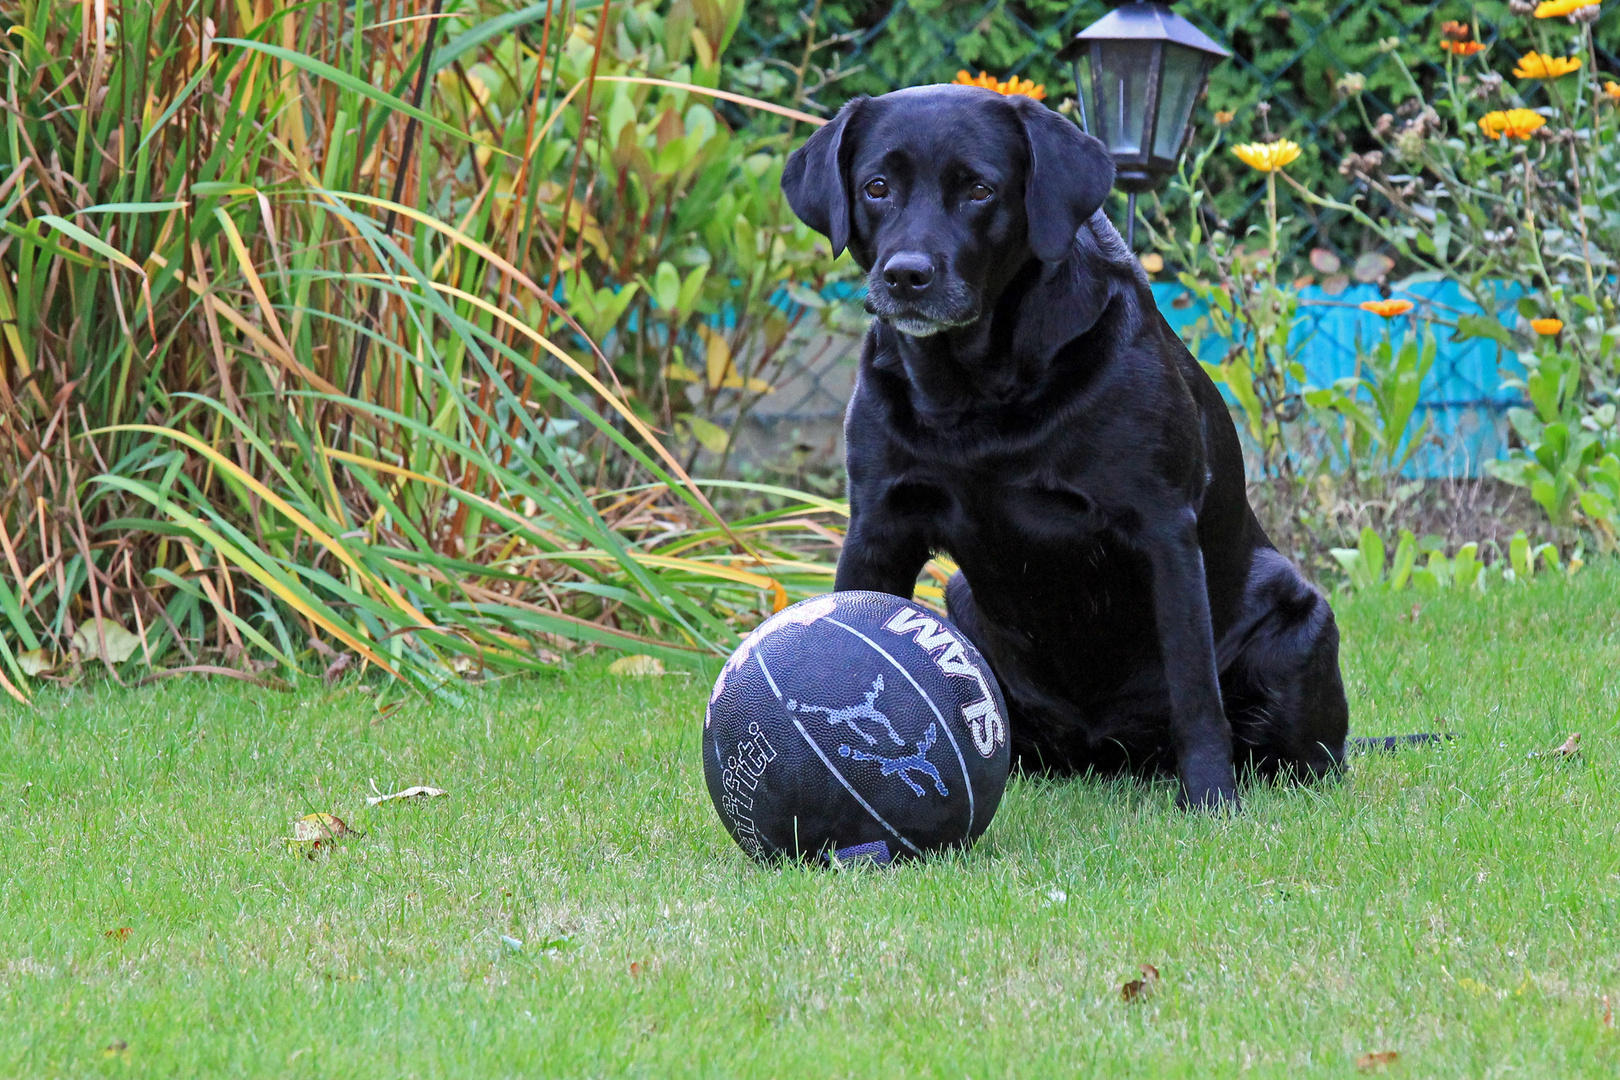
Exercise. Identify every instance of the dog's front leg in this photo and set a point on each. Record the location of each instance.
(1200, 734)
(883, 552)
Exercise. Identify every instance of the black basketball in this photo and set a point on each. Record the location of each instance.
(855, 725)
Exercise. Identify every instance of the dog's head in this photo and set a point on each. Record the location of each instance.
(943, 193)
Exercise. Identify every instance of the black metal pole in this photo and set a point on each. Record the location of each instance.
(1130, 220)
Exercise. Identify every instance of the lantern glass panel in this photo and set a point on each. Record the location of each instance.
(1183, 77)
(1088, 92)
(1120, 93)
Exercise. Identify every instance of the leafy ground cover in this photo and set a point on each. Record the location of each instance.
(573, 908)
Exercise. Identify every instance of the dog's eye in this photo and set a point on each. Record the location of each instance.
(877, 189)
(979, 192)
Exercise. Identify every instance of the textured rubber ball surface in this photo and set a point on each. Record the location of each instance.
(857, 725)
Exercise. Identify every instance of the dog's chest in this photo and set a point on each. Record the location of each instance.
(967, 510)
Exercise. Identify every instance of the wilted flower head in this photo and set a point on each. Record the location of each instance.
(1224, 117)
(1267, 157)
(1538, 65)
(1351, 84)
(1455, 31)
(1489, 83)
(1014, 85)
(1514, 123)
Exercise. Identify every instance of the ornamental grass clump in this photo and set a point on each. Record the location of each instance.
(284, 389)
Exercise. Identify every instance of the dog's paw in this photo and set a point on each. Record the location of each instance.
(1214, 800)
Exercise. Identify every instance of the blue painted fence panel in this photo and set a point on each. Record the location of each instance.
(1462, 393)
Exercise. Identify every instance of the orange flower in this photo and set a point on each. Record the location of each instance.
(1463, 48)
(1552, 9)
(1612, 89)
(1546, 327)
(1387, 308)
(1267, 157)
(1515, 123)
(1538, 65)
(1455, 31)
(1223, 117)
(1014, 85)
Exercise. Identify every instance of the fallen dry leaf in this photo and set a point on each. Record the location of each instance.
(337, 666)
(119, 933)
(315, 831)
(637, 667)
(420, 791)
(1137, 988)
(320, 827)
(1377, 1060)
(635, 969)
(1571, 748)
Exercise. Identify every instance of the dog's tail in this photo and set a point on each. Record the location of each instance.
(1388, 744)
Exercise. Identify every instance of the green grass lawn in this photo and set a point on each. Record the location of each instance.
(1458, 906)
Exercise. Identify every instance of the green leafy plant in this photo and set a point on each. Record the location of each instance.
(1483, 178)
(1375, 408)
(1370, 565)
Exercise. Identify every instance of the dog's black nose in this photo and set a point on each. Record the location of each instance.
(908, 272)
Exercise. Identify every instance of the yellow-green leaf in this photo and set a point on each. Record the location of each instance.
(36, 661)
(637, 667)
(711, 436)
(121, 644)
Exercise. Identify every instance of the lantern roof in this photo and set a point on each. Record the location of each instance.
(1151, 21)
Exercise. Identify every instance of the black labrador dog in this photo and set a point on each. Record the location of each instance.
(1023, 407)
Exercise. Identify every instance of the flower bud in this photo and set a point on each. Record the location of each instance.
(1409, 144)
(1350, 85)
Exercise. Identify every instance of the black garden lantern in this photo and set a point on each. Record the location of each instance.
(1148, 67)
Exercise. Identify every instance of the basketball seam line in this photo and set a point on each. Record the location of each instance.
(760, 660)
(967, 781)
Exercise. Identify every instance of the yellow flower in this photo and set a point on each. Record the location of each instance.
(1387, 308)
(1267, 157)
(1546, 327)
(1552, 9)
(1536, 65)
(1515, 123)
(1612, 89)
(1014, 85)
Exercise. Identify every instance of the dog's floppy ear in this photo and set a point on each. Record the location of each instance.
(814, 182)
(1070, 174)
